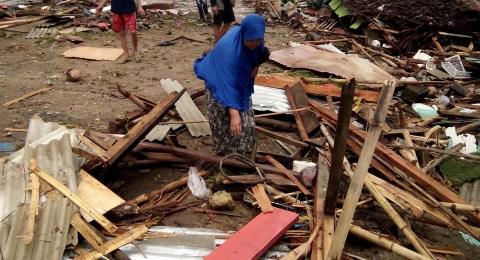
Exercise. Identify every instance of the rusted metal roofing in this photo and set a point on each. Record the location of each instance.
(187, 109)
(51, 146)
(346, 66)
(470, 192)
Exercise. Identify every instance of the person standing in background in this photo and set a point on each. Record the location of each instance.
(124, 17)
(203, 10)
(223, 17)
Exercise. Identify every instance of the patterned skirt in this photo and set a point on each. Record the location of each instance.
(219, 120)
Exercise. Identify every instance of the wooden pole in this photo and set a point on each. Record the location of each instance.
(339, 147)
(355, 188)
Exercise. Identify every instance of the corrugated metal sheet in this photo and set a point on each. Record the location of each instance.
(270, 99)
(187, 109)
(181, 243)
(158, 133)
(470, 192)
(50, 145)
(50, 233)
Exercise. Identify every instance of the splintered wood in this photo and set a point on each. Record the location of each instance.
(89, 210)
(262, 198)
(115, 243)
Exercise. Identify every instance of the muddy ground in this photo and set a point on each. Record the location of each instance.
(27, 65)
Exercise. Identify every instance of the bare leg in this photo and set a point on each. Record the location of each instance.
(122, 36)
(135, 42)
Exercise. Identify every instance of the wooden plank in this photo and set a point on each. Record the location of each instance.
(262, 198)
(301, 101)
(97, 150)
(325, 90)
(87, 231)
(141, 129)
(100, 197)
(280, 137)
(34, 187)
(318, 212)
(30, 94)
(115, 243)
(358, 179)
(296, 114)
(395, 160)
(256, 237)
(328, 231)
(339, 147)
(97, 140)
(92, 212)
(285, 171)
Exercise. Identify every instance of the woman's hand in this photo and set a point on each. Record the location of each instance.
(235, 122)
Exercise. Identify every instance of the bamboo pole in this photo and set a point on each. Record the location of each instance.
(433, 150)
(385, 243)
(460, 207)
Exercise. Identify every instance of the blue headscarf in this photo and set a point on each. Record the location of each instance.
(227, 69)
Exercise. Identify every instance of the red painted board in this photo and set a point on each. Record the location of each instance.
(255, 238)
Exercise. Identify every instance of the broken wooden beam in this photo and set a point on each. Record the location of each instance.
(339, 147)
(198, 155)
(358, 179)
(34, 187)
(115, 243)
(89, 210)
(141, 129)
(318, 208)
(275, 124)
(298, 119)
(395, 160)
(262, 198)
(325, 90)
(287, 173)
(280, 137)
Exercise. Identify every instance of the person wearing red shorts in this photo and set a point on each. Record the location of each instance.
(124, 19)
